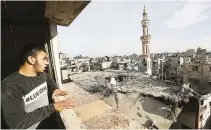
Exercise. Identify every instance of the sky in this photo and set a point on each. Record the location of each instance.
(107, 28)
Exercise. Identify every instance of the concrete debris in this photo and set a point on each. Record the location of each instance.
(110, 120)
(93, 114)
(152, 123)
(84, 98)
(126, 92)
(132, 82)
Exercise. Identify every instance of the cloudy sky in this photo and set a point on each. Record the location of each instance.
(114, 27)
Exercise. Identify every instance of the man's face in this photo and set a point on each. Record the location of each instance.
(41, 62)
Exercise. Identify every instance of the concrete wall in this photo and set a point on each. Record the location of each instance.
(138, 107)
(205, 113)
(194, 74)
(121, 67)
(175, 62)
(203, 74)
(179, 70)
(95, 66)
(55, 52)
(106, 65)
(188, 115)
(143, 68)
(186, 60)
(181, 60)
(156, 66)
(149, 66)
(79, 62)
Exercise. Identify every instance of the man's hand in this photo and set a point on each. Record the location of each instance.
(59, 92)
(65, 104)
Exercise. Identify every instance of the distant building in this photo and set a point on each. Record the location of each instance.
(180, 74)
(177, 61)
(62, 55)
(200, 51)
(62, 60)
(156, 65)
(198, 74)
(152, 55)
(106, 64)
(196, 114)
(95, 65)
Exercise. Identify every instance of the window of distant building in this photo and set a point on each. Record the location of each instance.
(209, 84)
(154, 63)
(194, 81)
(195, 68)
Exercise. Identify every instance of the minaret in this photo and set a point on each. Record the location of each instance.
(146, 37)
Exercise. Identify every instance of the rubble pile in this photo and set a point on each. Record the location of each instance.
(91, 80)
(155, 88)
(111, 120)
(133, 82)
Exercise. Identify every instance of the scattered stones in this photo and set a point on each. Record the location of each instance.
(136, 83)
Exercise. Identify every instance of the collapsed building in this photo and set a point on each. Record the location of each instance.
(198, 74)
(177, 101)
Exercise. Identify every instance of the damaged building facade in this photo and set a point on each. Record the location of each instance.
(146, 100)
(198, 74)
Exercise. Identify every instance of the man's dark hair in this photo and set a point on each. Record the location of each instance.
(30, 50)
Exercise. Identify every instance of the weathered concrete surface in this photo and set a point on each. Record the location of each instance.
(129, 92)
(140, 83)
(132, 112)
(64, 12)
(95, 108)
(79, 95)
(112, 120)
(92, 113)
(69, 116)
(188, 118)
(139, 108)
(71, 120)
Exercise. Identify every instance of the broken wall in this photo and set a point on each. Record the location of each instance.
(206, 76)
(142, 109)
(205, 113)
(143, 68)
(188, 115)
(175, 61)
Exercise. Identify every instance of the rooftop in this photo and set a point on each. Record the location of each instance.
(135, 82)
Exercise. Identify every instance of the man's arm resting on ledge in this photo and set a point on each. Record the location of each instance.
(14, 113)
